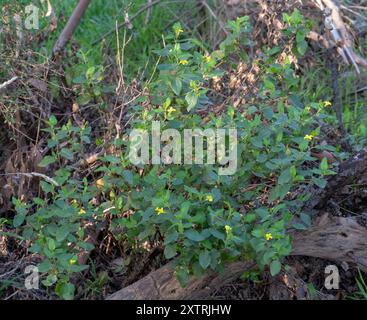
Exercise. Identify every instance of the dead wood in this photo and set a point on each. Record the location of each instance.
(333, 238)
(71, 25)
(163, 284)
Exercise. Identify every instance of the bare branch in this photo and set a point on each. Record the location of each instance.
(71, 25)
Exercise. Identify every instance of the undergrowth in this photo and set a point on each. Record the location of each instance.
(201, 218)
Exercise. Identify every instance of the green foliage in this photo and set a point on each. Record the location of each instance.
(55, 228)
(203, 218)
(299, 28)
(361, 294)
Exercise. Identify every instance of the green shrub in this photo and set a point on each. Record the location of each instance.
(202, 218)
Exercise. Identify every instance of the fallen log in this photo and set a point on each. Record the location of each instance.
(333, 238)
(162, 284)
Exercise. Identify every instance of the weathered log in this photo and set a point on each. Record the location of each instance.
(163, 284)
(334, 238)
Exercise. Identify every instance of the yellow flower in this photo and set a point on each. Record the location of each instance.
(228, 229)
(184, 62)
(268, 236)
(209, 198)
(308, 137)
(208, 58)
(178, 31)
(81, 211)
(308, 108)
(159, 210)
(327, 103)
(72, 261)
(170, 110)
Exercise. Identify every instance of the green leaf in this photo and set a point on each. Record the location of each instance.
(111, 159)
(170, 237)
(321, 183)
(217, 234)
(50, 280)
(192, 100)
(18, 220)
(204, 259)
(268, 255)
(86, 246)
(293, 171)
(279, 192)
(176, 86)
(275, 267)
(194, 235)
(47, 187)
(67, 153)
(52, 121)
(47, 161)
(299, 226)
(250, 217)
(324, 164)
(257, 233)
(285, 177)
(305, 219)
(65, 290)
(182, 276)
(51, 244)
(45, 266)
(62, 233)
(170, 251)
(128, 177)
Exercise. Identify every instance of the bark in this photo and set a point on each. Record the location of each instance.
(162, 284)
(71, 25)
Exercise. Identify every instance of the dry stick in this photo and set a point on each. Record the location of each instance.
(32, 174)
(71, 25)
(346, 38)
(7, 83)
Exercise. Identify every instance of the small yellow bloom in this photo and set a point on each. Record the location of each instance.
(308, 137)
(184, 62)
(228, 229)
(208, 58)
(72, 261)
(81, 211)
(209, 198)
(308, 108)
(268, 236)
(159, 210)
(327, 103)
(178, 31)
(170, 110)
